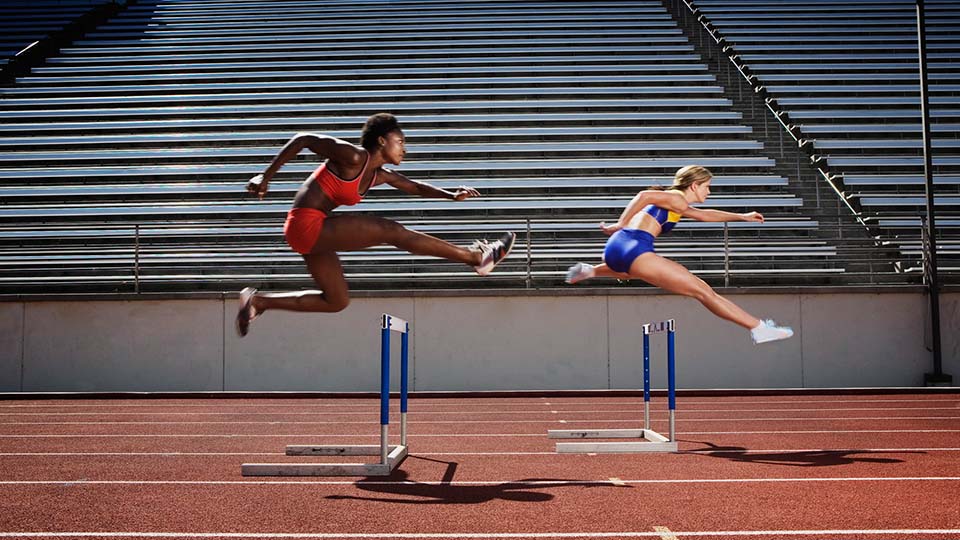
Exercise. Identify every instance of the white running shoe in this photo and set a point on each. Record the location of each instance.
(579, 272)
(246, 313)
(769, 331)
(494, 252)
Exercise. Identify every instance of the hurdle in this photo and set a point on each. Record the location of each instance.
(390, 456)
(655, 441)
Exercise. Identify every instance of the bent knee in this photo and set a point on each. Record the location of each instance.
(392, 229)
(339, 304)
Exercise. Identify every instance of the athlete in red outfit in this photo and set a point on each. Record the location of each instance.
(344, 178)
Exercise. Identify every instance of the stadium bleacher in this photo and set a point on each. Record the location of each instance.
(845, 76)
(123, 157)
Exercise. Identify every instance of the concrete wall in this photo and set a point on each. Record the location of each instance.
(531, 341)
(123, 346)
(11, 346)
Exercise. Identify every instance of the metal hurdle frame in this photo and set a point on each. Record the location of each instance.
(390, 456)
(657, 442)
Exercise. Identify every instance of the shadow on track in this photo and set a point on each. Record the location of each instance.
(805, 458)
(445, 492)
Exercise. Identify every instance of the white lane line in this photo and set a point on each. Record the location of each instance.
(446, 435)
(665, 533)
(519, 535)
(720, 450)
(229, 454)
(659, 405)
(533, 483)
(255, 402)
(419, 421)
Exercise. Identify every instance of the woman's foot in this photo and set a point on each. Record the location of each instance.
(491, 253)
(769, 331)
(579, 272)
(247, 313)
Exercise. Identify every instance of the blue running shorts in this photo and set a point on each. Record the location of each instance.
(624, 246)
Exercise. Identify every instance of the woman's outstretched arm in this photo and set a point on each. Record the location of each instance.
(701, 214)
(423, 189)
(322, 145)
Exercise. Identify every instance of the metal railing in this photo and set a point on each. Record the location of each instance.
(727, 257)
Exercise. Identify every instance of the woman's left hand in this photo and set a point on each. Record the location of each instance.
(609, 229)
(464, 192)
(753, 216)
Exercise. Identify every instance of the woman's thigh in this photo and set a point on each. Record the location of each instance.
(327, 273)
(349, 233)
(667, 275)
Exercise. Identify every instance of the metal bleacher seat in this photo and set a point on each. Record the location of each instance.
(123, 158)
(845, 74)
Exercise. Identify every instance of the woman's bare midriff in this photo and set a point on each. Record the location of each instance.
(645, 222)
(310, 195)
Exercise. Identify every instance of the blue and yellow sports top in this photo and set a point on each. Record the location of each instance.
(666, 218)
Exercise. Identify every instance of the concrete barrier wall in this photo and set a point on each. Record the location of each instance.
(11, 346)
(518, 342)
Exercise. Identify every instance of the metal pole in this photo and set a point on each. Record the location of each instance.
(671, 377)
(529, 258)
(937, 376)
(384, 389)
(404, 371)
(136, 259)
(726, 254)
(646, 376)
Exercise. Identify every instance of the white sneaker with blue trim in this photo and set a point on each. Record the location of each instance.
(769, 331)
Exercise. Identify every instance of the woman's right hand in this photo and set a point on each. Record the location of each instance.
(258, 186)
(610, 229)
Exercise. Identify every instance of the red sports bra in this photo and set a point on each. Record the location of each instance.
(338, 190)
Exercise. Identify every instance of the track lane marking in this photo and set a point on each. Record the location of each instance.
(519, 535)
(439, 435)
(658, 405)
(339, 422)
(544, 453)
(665, 533)
(70, 402)
(543, 483)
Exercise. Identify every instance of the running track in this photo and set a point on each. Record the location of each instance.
(883, 466)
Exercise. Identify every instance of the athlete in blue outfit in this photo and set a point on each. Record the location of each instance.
(629, 252)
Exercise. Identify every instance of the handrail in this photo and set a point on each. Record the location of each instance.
(848, 259)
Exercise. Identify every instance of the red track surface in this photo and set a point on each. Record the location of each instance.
(751, 467)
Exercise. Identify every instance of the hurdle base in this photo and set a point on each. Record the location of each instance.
(656, 442)
(394, 458)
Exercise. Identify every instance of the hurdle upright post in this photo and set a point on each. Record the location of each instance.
(672, 377)
(404, 362)
(390, 456)
(646, 376)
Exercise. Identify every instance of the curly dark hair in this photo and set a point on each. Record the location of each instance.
(377, 126)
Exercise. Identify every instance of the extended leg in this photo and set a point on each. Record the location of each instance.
(351, 233)
(675, 278)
